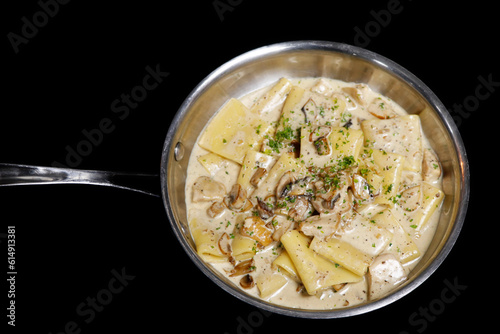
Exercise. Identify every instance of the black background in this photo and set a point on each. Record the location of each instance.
(69, 238)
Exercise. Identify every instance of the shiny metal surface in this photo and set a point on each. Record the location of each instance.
(265, 65)
(14, 175)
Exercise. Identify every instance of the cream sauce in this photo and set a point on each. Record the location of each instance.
(227, 174)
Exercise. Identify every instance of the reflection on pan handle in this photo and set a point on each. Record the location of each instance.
(13, 174)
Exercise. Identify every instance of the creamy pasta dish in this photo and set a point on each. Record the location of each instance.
(313, 193)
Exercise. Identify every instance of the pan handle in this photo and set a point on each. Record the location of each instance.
(14, 174)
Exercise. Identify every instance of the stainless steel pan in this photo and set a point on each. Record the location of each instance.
(262, 67)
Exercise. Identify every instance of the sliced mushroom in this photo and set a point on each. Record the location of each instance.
(285, 184)
(320, 139)
(318, 186)
(216, 209)
(360, 187)
(294, 148)
(225, 247)
(281, 225)
(323, 194)
(271, 201)
(290, 193)
(225, 244)
(309, 109)
(327, 187)
(248, 206)
(344, 204)
(335, 196)
(301, 186)
(243, 268)
(205, 189)
(318, 226)
(264, 209)
(258, 176)
(356, 94)
(322, 146)
(301, 210)
(237, 198)
(431, 168)
(256, 229)
(317, 203)
(380, 109)
(320, 132)
(330, 204)
(335, 201)
(247, 282)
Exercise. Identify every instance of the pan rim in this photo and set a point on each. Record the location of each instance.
(329, 47)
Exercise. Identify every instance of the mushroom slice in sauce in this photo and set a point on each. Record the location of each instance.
(237, 198)
(225, 244)
(360, 187)
(320, 132)
(257, 229)
(330, 205)
(258, 176)
(281, 225)
(216, 209)
(335, 200)
(264, 209)
(318, 226)
(317, 203)
(285, 184)
(243, 268)
(294, 148)
(225, 247)
(431, 168)
(344, 202)
(356, 94)
(205, 189)
(309, 109)
(380, 109)
(322, 146)
(300, 186)
(301, 210)
(320, 139)
(247, 282)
